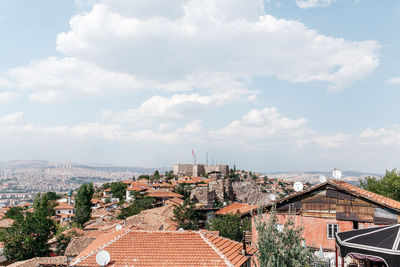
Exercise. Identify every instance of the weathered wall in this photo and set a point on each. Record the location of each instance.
(199, 169)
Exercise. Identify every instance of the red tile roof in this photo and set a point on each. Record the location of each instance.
(174, 201)
(163, 194)
(164, 248)
(353, 190)
(237, 208)
(64, 206)
(385, 201)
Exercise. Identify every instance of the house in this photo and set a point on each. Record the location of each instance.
(42, 261)
(162, 195)
(64, 212)
(154, 219)
(135, 187)
(77, 245)
(129, 247)
(107, 193)
(331, 207)
(243, 209)
(6, 223)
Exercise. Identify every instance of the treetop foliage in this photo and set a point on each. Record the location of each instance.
(186, 216)
(388, 186)
(230, 226)
(281, 248)
(83, 203)
(27, 237)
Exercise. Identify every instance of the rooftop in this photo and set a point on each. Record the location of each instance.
(237, 208)
(164, 248)
(353, 190)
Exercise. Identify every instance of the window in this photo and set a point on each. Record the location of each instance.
(332, 229)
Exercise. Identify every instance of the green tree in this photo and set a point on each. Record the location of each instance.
(52, 195)
(28, 236)
(42, 204)
(83, 203)
(281, 248)
(388, 186)
(118, 190)
(62, 243)
(156, 175)
(140, 202)
(217, 203)
(183, 189)
(169, 175)
(144, 176)
(230, 226)
(186, 216)
(14, 213)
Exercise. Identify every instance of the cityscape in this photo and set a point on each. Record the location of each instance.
(182, 133)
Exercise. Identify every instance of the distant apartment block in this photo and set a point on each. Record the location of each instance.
(199, 169)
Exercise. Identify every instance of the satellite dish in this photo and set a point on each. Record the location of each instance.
(103, 258)
(322, 179)
(118, 227)
(336, 174)
(298, 186)
(272, 197)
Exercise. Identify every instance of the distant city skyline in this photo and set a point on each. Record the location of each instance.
(264, 84)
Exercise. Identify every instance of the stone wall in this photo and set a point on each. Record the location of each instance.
(199, 169)
(221, 189)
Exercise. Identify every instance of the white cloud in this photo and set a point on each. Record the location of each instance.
(11, 118)
(381, 136)
(264, 126)
(224, 37)
(395, 80)
(54, 79)
(313, 3)
(158, 107)
(326, 141)
(6, 97)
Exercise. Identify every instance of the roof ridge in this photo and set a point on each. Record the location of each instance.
(228, 263)
(101, 247)
(366, 194)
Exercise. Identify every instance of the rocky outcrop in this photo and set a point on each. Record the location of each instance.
(248, 192)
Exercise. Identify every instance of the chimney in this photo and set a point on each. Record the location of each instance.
(244, 244)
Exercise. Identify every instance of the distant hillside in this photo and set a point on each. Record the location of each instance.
(22, 164)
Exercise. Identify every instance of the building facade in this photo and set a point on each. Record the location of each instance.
(196, 170)
(331, 207)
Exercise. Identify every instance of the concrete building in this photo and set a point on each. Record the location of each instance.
(199, 169)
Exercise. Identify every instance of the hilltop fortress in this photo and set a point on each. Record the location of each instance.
(196, 170)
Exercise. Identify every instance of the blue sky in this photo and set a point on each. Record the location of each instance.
(268, 85)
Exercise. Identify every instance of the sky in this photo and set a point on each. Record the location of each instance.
(268, 85)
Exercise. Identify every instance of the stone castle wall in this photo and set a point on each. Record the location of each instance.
(199, 169)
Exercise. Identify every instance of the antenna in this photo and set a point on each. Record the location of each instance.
(272, 197)
(298, 186)
(336, 174)
(103, 258)
(118, 227)
(322, 179)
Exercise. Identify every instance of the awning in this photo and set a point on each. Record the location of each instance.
(375, 243)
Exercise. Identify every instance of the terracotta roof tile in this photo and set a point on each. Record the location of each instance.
(64, 206)
(352, 189)
(77, 245)
(368, 195)
(237, 208)
(165, 248)
(5, 223)
(163, 194)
